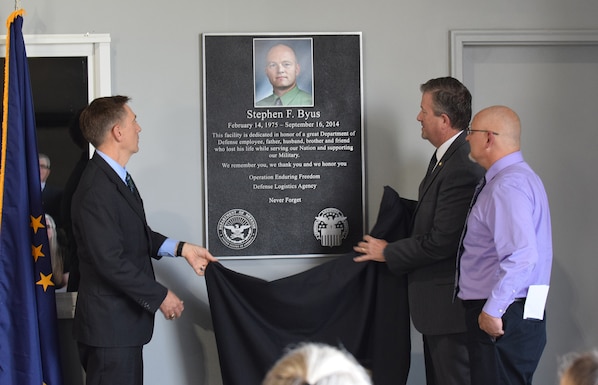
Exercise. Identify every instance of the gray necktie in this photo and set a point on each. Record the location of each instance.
(460, 249)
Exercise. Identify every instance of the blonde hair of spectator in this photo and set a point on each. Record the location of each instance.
(580, 369)
(317, 364)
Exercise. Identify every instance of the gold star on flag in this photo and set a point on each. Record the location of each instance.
(36, 223)
(36, 251)
(45, 281)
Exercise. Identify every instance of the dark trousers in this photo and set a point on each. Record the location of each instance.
(513, 357)
(111, 366)
(447, 359)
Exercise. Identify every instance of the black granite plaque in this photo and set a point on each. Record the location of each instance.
(283, 180)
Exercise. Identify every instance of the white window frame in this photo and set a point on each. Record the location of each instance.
(96, 47)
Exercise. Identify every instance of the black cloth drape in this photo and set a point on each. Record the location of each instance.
(359, 306)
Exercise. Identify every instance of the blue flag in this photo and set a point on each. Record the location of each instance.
(29, 351)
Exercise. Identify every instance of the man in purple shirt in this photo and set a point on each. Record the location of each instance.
(507, 256)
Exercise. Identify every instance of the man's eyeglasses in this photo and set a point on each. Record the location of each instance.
(469, 131)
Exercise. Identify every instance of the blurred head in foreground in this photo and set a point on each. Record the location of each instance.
(317, 364)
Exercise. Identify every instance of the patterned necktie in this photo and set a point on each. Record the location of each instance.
(130, 183)
(278, 102)
(474, 198)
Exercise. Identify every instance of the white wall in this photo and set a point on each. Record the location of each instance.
(156, 60)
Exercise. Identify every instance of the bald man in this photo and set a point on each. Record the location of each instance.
(282, 70)
(507, 255)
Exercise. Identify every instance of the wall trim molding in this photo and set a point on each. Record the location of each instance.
(459, 39)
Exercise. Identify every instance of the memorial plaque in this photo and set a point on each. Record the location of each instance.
(283, 144)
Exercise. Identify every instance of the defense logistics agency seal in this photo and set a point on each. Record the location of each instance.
(237, 229)
(331, 227)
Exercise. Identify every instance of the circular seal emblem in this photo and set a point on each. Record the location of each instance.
(237, 229)
(331, 227)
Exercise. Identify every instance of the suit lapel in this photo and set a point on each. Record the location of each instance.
(134, 201)
(427, 181)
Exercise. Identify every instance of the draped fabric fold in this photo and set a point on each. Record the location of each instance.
(359, 306)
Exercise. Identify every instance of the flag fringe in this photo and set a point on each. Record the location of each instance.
(13, 16)
(9, 21)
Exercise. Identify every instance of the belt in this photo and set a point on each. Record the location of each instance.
(473, 302)
(520, 299)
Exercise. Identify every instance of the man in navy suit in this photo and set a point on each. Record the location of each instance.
(118, 294)
(428, 256)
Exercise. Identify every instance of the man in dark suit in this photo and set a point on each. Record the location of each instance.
(51, 196)
(118, 293)
(71, 261)
(428, 256)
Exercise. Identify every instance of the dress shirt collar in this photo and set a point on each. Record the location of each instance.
(120, 171)
(441, 150)
(290, 95)
(502, 163)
